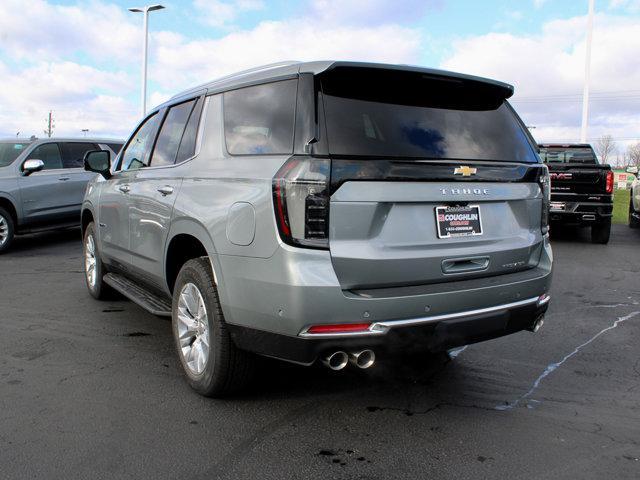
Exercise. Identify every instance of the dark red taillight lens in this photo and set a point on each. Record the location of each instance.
(545, 188)
(338, 328)
(609, 185)
(301, 202)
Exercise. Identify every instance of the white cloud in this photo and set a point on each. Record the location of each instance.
(371, 12)
(539, 3)
(180, 63)
(80, 97)
(219, 13)
(548, 70)
(42, 30)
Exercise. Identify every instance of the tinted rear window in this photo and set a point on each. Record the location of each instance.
(409, 115)
(568, 155)
(259, 120)
(73, 153)
(116, 147)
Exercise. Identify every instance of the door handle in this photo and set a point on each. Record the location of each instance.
(166, 190)
(63, 179)
(124, 188)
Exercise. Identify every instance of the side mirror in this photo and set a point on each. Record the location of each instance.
(632, 169)
(98, 161)
(32, 165)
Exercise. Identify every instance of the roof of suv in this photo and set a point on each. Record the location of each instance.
(61, 139)
(287, 69)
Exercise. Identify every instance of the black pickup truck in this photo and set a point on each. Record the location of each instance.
(581, 188)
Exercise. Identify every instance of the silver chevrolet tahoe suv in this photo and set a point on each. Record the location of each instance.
(42, 183)
(324, 211)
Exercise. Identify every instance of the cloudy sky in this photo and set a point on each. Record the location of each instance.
(81, 59)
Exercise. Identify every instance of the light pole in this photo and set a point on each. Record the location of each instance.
(145, 11)
(85, 130)
(587, 76)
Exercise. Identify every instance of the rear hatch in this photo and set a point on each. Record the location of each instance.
(433, 179)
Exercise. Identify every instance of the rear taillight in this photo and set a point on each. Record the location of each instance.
(301, 202)
(545, 188)
(609, 185)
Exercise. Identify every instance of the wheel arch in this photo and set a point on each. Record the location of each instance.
(9, 205)
(189, 239)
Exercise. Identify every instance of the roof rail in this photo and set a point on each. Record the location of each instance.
(261, 68)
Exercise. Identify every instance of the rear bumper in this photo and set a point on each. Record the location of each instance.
(431, 334)
(269, 303)
(579, 212)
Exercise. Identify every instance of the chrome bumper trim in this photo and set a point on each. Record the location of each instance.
(380, 328)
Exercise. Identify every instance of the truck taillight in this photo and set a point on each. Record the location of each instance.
(609, 185)
(545, 188)
(301, 202)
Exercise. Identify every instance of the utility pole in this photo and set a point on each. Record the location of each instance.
(50, 125)
(587, 75)
(145, 43)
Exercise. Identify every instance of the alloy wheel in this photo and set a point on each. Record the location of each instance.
(193, 329)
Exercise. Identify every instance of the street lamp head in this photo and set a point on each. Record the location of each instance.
(148, 8)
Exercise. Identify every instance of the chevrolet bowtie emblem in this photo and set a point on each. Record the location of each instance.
(465, 171)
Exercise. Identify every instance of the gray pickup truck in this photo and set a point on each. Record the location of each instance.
(42, 183)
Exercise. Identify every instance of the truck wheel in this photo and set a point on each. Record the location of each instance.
(601, 231)
(214, 366)
(633, 221)
(7, 230)
(93, 267)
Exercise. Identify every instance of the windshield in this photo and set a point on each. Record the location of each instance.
(10, 151)
(568, 155)
(423, 119)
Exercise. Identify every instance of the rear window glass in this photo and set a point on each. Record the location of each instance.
(259, 120)
(73, 153)
(10, 151)
(116, 147)
(568, 155)
(409, 115)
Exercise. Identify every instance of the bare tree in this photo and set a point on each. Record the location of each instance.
(606, 148)
(633, 153)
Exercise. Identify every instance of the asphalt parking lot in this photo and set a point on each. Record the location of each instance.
(93, 390)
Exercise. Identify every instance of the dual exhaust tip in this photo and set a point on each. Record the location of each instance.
(338, 360)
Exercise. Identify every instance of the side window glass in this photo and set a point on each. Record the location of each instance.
(136, 153)
(49, 153)
(116, 147)
(166, 149)
(259, 120)
(188, 143)
(73, 153)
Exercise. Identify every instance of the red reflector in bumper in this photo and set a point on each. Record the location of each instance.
(339, 328)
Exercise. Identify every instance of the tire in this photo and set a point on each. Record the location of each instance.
(220, 368)
(601, 231)
(7, 230)
(633, 221)
(98, 289)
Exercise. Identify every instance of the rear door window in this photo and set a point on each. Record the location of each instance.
(137, 152)
(116, 147)
(171, 132)
(259, 120)
(73, 153)
(49, 153)
(188, 143)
